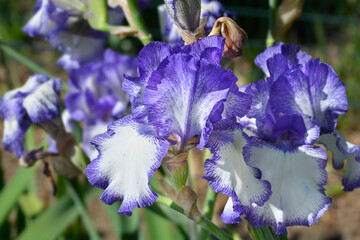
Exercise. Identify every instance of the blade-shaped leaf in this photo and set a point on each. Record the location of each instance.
(55, 219)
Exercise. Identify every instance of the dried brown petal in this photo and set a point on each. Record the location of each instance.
(236, 37)
(187, 198)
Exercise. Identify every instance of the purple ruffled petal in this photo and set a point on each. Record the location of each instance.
(317, 93)
(181, 101)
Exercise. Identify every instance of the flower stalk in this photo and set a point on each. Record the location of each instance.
(203, 221)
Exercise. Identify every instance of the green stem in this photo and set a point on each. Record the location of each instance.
(82, 211)
(270, 40)
(24, 60)
(208, 211)
(203, 221)
(138, 21)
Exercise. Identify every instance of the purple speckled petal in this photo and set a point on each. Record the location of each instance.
(343, 150)
(210, 48)
(297, 176)
(259, 91)
(129, 154)
(261, 59)
(317, 93)
(291, 52)
(181, 101)
(236, 105)
(227, 171)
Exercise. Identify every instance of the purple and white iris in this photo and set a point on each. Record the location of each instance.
(96, 96)
(37, 102)
(66, 29)
(298, 103)
(181, 105)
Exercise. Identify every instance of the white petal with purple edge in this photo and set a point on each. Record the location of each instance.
(343, 150)
(129, 154)
(228, 173)
(41, 23)
(297, 176)
(43, 104)
(229, 215)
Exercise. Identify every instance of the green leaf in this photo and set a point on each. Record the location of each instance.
(30, 204)
(51, 223)
(265, 233)
(12, 191)
(160, 228)
(125, 226)
(24, 60)
(83, 213)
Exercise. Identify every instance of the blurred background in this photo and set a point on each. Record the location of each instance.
(329, 30)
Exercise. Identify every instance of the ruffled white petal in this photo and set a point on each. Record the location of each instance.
(129, 154)
(228, 173)
(297, 176)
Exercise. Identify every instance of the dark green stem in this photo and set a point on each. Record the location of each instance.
(270, 39)
(208, 211)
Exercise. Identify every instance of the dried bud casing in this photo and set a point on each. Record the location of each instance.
(187, 198)
(29, 158)
(236, 37)
(287, 13)
(177, 169)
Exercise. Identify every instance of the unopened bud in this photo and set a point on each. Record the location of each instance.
(236, 37)
(186, 15)
(177, 169)
(29, 158)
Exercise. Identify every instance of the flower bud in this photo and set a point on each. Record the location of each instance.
(236, 37)
(177, 169)
(186, 15)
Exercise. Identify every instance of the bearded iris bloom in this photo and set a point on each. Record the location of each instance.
(65, 28)
(180, 105)
(96, 96)
(298, 103)
(37, 102)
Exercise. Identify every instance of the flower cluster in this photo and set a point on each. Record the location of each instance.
(262, 136)
(181, 104)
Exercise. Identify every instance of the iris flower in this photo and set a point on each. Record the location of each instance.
(37, 102)
(179, 94)
(298, 102)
